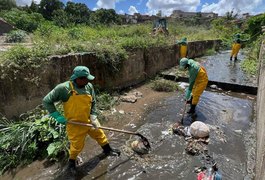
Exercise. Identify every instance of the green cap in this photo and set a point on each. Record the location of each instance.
(81, 71)
(183, 63)
(184, 39)
(237, 35)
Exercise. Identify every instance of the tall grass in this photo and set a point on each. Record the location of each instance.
(250, 64)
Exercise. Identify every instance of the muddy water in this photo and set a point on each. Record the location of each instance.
(231, 142)
(228, 71)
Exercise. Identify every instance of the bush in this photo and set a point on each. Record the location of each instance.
(105, 101)
(23, 20)
(16, 36)
(164, 85)
(34, 136)
(251, 62)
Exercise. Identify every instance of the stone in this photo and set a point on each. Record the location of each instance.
(199, 129)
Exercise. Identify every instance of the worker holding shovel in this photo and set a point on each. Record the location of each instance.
(79, 104)
(198, 81)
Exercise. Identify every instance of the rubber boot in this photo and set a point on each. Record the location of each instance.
(192, 109)
(231, 58)
(108, 151)
(235, 58)
(71, 167)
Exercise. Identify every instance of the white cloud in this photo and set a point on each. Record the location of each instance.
(121, 12)
(132, 10)
(167, 6)
(106, 4)
(26, 2)
(238, 6)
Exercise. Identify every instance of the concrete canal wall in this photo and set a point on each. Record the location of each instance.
(260, 156)
(24, 91)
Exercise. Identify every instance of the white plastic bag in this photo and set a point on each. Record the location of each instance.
(199, 129)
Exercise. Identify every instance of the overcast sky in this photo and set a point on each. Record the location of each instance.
(167, 6)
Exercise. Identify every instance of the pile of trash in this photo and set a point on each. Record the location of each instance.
(139, 147)
(197, 136)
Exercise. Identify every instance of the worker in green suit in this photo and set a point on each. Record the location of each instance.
(236, 46)
(183, 47)
(79, 104)
(198, 81)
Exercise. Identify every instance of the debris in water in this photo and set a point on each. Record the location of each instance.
(139, 147)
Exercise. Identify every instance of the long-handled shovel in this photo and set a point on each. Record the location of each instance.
(143, 139)
(183, 114)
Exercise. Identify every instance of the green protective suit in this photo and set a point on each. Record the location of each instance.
(198, 78)
(194, 68)
(237, 41)
(62, 92)
(182, 42)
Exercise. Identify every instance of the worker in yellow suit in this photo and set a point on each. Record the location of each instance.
(236, 46)
(79, 104)
(183, 47)
(198, 81)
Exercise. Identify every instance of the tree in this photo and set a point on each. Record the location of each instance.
(60, 18)
(105, 16)
(34, 7)
(77, 12)
(230, 15)
(254, 26)
(47, 7)
(7, 4)
(23, 20)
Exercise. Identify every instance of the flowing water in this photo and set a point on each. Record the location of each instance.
(221, 69)
(230, 119)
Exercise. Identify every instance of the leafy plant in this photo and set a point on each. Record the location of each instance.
(16, 36)
(105, 101)
(34, 136)
(251, 62)
(22, 20)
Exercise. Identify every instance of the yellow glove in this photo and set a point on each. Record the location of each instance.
(94, 121)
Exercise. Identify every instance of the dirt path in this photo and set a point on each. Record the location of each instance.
(134, 112)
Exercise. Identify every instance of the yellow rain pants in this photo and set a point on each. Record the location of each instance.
(78, 108)
(235, 49)
(199, 86)
(183, 51)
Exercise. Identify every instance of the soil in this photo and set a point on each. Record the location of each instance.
(134, 112)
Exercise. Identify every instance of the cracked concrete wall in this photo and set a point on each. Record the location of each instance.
(260, 156)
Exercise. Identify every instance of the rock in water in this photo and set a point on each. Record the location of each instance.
(139, 147)
(199, 129)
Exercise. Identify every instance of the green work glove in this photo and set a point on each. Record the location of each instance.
(94, 121)
(188, 94)
(58, 117)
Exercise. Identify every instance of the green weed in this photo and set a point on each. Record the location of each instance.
(164, 85)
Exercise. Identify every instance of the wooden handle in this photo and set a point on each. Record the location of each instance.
(102, 127)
